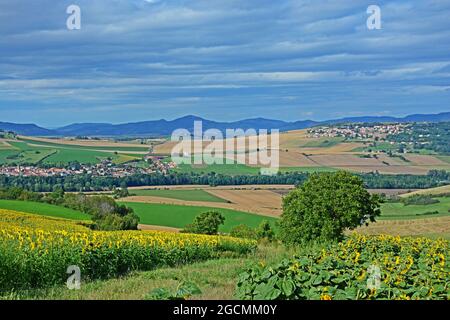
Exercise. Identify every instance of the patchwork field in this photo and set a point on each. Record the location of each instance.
(188, 195)
(178, 216)
(31, 151)
(298, 152)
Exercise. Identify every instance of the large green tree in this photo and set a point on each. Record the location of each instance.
(324, 206)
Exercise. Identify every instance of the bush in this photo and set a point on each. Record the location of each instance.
(206, 223)
(419, 199)
(243, 231)
(324, 206)
(264, 231)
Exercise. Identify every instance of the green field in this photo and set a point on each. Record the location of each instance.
(178, 216)
(394, 211)
(187, 195)
(43, 209)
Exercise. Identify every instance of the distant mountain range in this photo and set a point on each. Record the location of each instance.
(164, 127)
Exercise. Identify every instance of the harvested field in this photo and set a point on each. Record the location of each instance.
(416, 227)
(387, 169)
(431, 191)
(258, 201)
(149, 227)
(270, 207)
(84, 143)
(425, 160)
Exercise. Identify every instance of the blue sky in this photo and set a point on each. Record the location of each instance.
(138, 60)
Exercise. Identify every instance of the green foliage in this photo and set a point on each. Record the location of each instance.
(394, 267)
(206, 223)
(86, 182)
(243, 231)
(105, 212)
(326, 205)
(265, 231)
(120, 193)
(184, 291)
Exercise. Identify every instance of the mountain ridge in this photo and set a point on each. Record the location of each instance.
(164, 127)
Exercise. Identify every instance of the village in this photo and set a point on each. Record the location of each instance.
(105, 168)
(358, 131)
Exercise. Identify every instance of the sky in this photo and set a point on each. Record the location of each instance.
(135, 60)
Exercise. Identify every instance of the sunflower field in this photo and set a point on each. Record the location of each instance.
(35, 251)
(361, 267)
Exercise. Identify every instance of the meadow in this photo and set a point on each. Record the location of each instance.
(178, 216)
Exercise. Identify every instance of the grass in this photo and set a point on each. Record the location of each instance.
(187, 195)
(396, 211)
(43, 209)
(216, 279)
(178, 216)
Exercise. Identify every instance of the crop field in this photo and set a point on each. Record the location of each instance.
(232, 169)
(26, 240)
(435, 227)
(43, 209)
(178, 216)
(298, 152)
(257, 201)
(188, 195)
(431, 191)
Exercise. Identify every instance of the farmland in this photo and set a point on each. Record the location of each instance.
(178, 216)
(300, 152)
(188, 195)
(31, 151)
(26, 239)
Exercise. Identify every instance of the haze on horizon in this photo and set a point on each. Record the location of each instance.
(136, 60)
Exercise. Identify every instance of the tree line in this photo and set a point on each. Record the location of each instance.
(86, 182)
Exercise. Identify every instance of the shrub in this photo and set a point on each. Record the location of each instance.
(324, 206)
(264, 231)
(243, 231)
(206, 223)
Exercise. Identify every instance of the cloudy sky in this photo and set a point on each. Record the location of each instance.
(138, 60)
